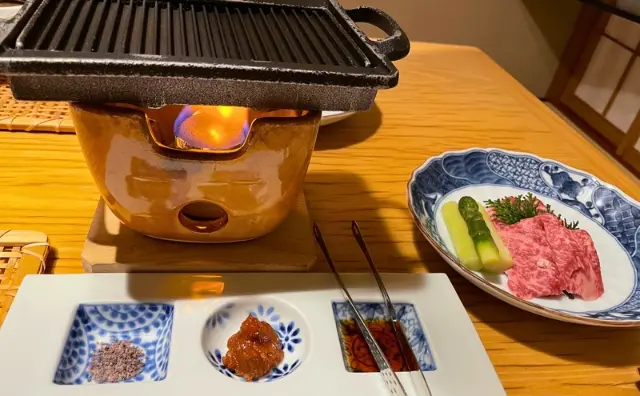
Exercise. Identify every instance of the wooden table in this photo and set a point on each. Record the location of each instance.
(449, 98)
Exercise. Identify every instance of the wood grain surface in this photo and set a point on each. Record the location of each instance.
(449, 98)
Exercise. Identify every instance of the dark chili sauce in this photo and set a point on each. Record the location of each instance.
(357, 353)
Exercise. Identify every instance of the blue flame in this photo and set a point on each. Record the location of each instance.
(185, 113)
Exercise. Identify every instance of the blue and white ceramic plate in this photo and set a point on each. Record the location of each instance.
(147, 326)
(611, 217)
(409, 320)
(284, 319)
(202, 317)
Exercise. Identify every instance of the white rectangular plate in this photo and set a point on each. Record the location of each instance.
(35, 331)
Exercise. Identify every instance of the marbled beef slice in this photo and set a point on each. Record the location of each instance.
(576, 258)
(534, 273)
(549, 258)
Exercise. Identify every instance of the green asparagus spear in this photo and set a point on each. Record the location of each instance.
(479, 232)
(506, 261)
(459, 233)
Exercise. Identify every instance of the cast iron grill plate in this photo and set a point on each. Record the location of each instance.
(304, 54)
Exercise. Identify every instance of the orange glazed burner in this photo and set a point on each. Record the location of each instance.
(197, 173)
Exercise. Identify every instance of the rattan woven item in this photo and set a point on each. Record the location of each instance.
(27, 116)
(21, 253)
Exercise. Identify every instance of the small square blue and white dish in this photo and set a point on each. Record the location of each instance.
(145, 326)
(355, 352)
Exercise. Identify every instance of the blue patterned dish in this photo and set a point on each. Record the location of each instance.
(147, 326)
(286, 320)
(408, 317)
(611, 217)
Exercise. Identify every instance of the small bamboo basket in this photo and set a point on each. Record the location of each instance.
(28, 116)
(21, 253)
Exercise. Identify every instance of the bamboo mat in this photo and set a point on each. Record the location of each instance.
(28, 116)
(22, 253)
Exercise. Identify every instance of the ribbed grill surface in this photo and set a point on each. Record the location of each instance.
(194, 31)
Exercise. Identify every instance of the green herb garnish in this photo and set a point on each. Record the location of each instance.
(511, 210)
(570, 225)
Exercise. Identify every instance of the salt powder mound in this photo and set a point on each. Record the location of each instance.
(116, 362)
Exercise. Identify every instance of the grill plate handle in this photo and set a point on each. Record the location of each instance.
(394, 47)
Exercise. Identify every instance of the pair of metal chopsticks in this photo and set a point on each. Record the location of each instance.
(411, 362)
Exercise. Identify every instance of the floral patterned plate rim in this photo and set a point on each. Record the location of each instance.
(288, 323)
(610, 216)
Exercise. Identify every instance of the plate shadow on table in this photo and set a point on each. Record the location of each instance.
(335, 199)
(355, 129)
(577, 343)
(164, 287)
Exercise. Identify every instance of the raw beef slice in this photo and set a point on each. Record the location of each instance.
(549, 258)
(576, 258)
(534, 273)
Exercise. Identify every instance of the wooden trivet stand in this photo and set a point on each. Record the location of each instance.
(112, 247)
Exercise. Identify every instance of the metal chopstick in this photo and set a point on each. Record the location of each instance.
(408, 355)
(388, 375)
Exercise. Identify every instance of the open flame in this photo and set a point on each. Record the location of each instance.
(211, 127)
